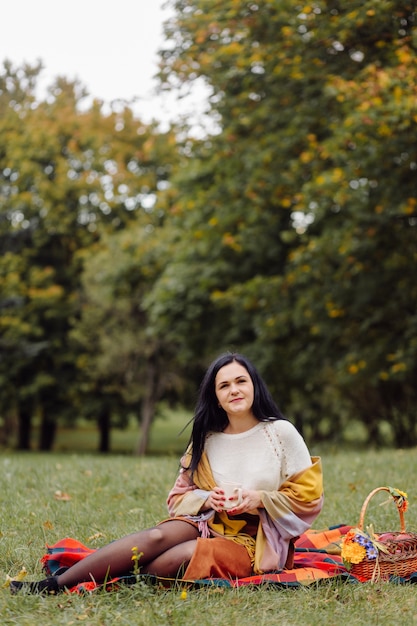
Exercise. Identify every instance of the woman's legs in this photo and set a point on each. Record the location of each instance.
(166, 548)
(172, 562)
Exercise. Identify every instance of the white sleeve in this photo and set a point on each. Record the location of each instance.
(296, 456)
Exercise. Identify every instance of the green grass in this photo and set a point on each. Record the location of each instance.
(169, 435)
(117, 494)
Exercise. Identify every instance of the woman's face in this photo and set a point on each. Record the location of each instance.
(234, 389)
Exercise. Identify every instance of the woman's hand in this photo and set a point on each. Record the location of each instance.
(216, 500)
(251, 500)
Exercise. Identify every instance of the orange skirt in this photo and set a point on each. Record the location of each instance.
(216, 557)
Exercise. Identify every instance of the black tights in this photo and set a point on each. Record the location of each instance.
(166, 549)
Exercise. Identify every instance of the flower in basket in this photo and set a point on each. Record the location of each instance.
(400, 498)
(352, 550)
(358, 545)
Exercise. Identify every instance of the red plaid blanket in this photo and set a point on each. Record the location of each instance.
(317, 557)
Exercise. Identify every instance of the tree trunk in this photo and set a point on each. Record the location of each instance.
(24, 427)
(403, 426)
(104, 429)
(47, 433)
(299, 422)
(9, 429)
(148, 408)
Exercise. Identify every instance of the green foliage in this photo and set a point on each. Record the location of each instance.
(133, 256)
(122, 368)
(68, 176)
(300, 214)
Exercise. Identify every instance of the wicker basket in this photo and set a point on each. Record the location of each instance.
(396, 551)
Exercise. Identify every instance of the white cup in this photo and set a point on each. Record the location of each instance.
(231, 490)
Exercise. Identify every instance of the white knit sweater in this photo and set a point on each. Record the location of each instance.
(261, 458)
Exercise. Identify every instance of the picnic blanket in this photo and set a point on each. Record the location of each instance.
(317, 558)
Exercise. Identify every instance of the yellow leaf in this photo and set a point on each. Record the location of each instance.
(95, 536)
(20, 576)
(61, 495)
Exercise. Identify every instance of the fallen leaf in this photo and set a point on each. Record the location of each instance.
(20, 576)
(61, 495)
(96, 536)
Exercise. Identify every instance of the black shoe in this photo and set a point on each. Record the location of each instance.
(48, 586)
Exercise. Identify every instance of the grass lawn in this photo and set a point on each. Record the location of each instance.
(111, 496)
(169, 435)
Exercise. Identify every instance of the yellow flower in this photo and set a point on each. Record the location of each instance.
(400, 497)
(352, 552)
(135, 558)
(183, 595)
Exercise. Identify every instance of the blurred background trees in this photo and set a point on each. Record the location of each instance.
(131, 256)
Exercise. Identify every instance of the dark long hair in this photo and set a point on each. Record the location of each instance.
(209, 417)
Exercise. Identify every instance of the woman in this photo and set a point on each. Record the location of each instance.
(238, 435)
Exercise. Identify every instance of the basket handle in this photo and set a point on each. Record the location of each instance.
(365, 504)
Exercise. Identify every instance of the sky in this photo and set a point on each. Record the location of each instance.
(109, 45)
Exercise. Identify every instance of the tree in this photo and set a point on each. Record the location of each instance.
(362, 201)
(67, 175)
(122, 368)
(299, 215)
